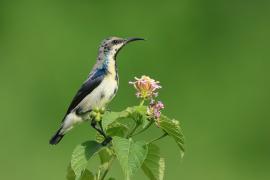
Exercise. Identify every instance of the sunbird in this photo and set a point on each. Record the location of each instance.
(97, 91)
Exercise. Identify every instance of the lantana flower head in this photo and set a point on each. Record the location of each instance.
(146, 87)
(154, 109)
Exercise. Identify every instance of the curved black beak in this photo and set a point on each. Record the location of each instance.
(133, 39)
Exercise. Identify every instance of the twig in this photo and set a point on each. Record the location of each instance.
(142, 102)
(132, 131)
(145, 128)
(164, 135)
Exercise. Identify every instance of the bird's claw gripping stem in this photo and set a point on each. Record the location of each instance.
(93, 124)
(107, 139)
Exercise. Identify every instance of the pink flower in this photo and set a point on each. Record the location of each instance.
(154, 109)
(146, 87)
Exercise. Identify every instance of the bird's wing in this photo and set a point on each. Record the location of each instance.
(88, 86)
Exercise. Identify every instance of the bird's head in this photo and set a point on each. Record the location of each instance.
(112, 45)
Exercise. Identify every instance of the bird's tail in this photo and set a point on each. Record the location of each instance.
(57, 137)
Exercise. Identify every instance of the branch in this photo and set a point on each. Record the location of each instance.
(145, 128)
(132, 131)
(163, 135)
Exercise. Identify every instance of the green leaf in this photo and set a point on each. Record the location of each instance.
(104, 155)
(109, 117)
(138, 113)
(81, 154)
(111, 178)
(86, 175)
(172, 127)
(154, 165)
(70, 173)
(117, 129)
(114, 129)
(99, 137)
(145, 122)
(130, 154)
(135, 112)
(139, 109)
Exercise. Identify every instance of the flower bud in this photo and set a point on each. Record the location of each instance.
(93, 114)
(154, 109)
(102, 110)
(98, 117)
(96, 109)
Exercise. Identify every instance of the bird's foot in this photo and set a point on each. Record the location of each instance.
(100, 130)
(106, 141)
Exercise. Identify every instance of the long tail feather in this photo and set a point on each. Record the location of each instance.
(57, 137)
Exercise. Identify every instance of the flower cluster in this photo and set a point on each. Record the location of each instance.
(154, 109)
(147, 89)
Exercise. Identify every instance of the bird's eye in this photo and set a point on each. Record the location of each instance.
(115, 42)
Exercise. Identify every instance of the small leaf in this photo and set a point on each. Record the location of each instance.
(111, 178)
(172, 127)
(114, 129)
(138, 113)
(139, 109)
(86, 175)
(145, 122)
(109, 117)
(104, 155)
(154, 165)
(99, 137)
(117, 129)
(130, 154)
(81, 154)
(70, 173)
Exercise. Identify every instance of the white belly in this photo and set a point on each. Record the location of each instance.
(100, 96)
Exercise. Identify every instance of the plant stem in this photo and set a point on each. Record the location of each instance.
(145, 128)
(162, 136)
(132, 131)
(142, 102)
(108, 168)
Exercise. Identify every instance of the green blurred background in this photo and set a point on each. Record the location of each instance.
(211, 57)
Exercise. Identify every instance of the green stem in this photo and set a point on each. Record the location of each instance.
(142, 102)
(132, 131)
(163, 135)
(145, 128)
(108, 168)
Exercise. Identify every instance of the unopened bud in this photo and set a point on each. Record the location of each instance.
(96, 109)
(102, 110)
(98, 117)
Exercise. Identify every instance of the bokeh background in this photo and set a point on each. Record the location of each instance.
(211, 57)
